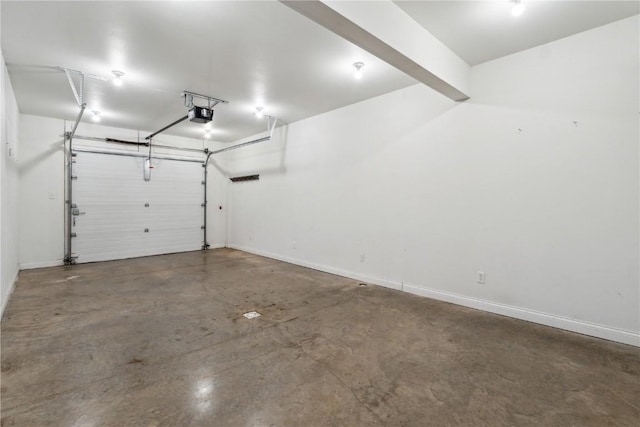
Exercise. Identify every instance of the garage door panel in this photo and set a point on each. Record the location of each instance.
(119, 206)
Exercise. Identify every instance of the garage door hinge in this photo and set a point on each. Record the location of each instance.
(74, 235)
(74, 177)
(70, 260)
(202, 227)
(202, 182)
(203, 204)
(74, 154)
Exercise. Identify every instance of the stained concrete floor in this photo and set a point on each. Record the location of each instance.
(161, 341)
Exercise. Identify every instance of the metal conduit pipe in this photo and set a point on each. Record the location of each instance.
(144, 144)
(205, 243)
(135, 154)
(68, 258)
(181, 119)
(244, 144)
(195, 150)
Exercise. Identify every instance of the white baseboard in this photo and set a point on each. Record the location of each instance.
(579, 326)
(5, 298)
(320, 267)
(41, 264)
(217, 246)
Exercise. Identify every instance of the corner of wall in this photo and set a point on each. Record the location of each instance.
(535, 184)
(8, 189)
(5, 297)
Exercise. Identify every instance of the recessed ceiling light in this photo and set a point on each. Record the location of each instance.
(118, 77)
(259, 113)
(517, 7)
(96, 116)
(358, 66)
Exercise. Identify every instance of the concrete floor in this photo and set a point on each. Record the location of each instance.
(161, 341)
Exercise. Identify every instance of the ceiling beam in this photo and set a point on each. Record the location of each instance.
(384, 30)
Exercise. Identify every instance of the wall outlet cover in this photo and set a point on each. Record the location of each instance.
(481, 277)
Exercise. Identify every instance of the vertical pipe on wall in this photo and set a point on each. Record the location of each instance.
(67, 199)
(69, 258)
(205, 244)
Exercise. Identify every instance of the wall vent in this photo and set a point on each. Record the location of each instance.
(245, 178)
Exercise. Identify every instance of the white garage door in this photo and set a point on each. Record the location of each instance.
(124, 216)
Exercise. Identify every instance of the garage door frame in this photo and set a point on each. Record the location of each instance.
(70, 155)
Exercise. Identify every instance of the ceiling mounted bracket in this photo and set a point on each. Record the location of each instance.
(211, 101)
(78, 93)
(271, 124)
(188, 100)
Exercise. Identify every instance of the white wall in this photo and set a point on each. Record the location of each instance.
(42, 184)
(41, 199)
(8, 188)
(413, 191)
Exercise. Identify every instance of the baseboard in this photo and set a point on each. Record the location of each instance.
(41, 264)
(581, 327)
(321, 267)
(217, 246)
(5, 299)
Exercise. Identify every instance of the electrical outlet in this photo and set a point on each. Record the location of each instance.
(481, 277)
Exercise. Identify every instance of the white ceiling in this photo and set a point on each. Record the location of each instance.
(249, 53)
(479, 31)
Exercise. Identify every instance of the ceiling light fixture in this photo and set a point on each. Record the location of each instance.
(259, 113)
(118, 79)
(96, 116)
(517, 7)
(358, 66)
(207, 133)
